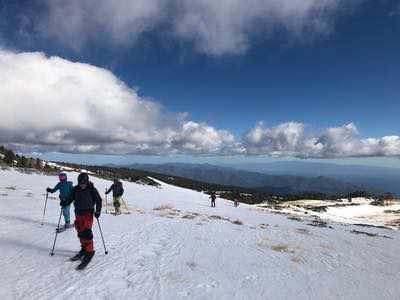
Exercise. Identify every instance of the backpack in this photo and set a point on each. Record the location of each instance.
(118, 189)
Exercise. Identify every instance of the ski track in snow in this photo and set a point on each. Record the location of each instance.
(157, 254)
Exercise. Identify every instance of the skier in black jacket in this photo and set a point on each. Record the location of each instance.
(87, 202)
(118, 191)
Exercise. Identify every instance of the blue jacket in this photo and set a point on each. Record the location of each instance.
(65, 188)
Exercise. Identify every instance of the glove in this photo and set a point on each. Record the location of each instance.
(48, 190)
(97, 214)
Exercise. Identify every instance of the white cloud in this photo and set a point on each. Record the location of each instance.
(76, 22)
(215, 27)
(54, 104)
(291, 139)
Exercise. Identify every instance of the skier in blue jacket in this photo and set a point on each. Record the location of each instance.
(65, 187)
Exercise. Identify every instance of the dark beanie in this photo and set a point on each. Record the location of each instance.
(83, 178)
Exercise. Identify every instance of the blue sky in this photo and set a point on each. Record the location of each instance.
(343, 71)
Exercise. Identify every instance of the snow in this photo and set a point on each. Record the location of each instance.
(366, 214)
(359, 211)
(189, 250)
(64, 168)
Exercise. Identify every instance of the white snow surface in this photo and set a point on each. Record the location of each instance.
(182, 253)
(362, 213)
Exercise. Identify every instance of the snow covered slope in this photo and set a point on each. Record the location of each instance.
(186, 249)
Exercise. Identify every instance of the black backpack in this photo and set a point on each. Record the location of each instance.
(118, 189)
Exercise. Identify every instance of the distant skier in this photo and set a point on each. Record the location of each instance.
(87, 202)
(65, 188)
(213, 196)
(118, 191)
(236, 199)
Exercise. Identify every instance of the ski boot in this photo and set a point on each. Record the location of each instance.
(85, 261)
(78, 256)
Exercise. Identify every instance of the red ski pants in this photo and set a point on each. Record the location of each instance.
(83, 225)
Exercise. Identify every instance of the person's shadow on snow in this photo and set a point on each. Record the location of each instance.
(26, 220)
(27, 246)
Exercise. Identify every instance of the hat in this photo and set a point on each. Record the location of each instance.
(83, 178)
(62, 176)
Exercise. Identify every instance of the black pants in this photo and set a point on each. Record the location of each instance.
(212, 203)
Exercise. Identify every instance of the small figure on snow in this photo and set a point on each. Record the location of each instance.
(213, 196)
(236, 199)
(118, 191)
(87, 202)
(65, 188)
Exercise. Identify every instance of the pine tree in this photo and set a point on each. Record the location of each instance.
(9, 157)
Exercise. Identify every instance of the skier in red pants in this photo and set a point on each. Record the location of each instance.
(87, 202)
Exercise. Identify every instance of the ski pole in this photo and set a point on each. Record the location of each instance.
(106, 202)
(44, 209)
(102, 238)
(123, 201)
(55, 238)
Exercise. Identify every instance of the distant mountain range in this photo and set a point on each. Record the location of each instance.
(370, 177)
(272, 183)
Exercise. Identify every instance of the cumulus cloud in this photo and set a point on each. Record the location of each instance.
(52, 104)
(291, 139)
(214, 27)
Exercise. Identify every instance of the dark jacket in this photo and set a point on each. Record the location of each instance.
(85, 201)
(117, 189)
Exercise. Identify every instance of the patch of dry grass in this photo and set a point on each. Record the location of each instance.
(237, 222)
(297, 259)
(303, 231)
(283, 248)
(189, 217)
(163, 207)
(215, 217)
(295, 218)
(168, 215)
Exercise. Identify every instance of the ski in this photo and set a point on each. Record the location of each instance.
(62, 229)
(59, 230)
(78, 256)
(86, 260)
